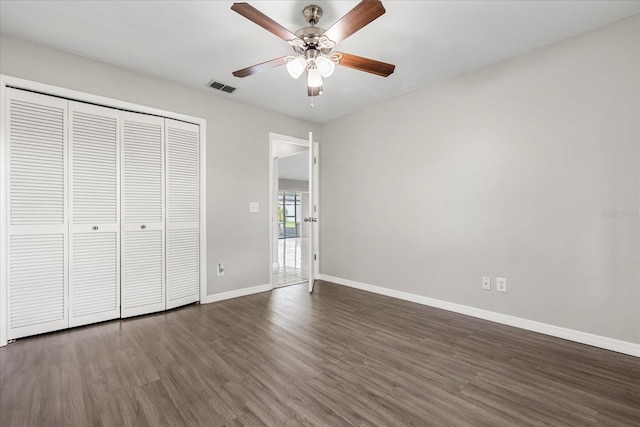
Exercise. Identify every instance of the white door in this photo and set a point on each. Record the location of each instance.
(313, 211)
(143, 280)
(37, 207)
(183, 213)
(94, 249)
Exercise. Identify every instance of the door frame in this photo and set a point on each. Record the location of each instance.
(47, 89)
(273, 189)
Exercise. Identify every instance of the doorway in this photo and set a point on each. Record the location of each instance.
(293, 234)
(292, 224)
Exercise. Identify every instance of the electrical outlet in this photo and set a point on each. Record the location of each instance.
(220, 269)
(486, 283)
(501, 284)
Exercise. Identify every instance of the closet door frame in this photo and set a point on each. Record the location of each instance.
(9, 81)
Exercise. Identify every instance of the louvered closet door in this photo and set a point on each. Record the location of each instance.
(94, 271)
(37, 200)
(183, 208)
(143, 285)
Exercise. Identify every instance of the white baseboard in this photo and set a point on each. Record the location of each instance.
(619, 346)
(236, 293)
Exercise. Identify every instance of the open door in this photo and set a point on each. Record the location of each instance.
(294, 210)
(313, 211)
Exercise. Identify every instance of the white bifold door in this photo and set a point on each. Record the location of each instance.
(143, 280)
(94, 268)
(37, 214)
(182, 215)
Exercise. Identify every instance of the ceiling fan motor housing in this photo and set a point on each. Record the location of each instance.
(311, 37)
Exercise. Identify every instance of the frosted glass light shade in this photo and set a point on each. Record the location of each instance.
(296, 67)
(325, 66)
(314, 79)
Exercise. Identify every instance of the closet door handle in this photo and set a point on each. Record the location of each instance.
(95, 227)
(143, 226)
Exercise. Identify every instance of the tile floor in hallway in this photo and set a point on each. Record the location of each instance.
(293, 262)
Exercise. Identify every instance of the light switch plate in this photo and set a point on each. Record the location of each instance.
(254, 207)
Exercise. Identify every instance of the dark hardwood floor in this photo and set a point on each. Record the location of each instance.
(337, 357)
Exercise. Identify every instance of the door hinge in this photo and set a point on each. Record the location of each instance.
(315, 160)
(315, 257)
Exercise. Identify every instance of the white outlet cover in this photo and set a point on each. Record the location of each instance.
(486, 283)
(254, 207)
(501, 284)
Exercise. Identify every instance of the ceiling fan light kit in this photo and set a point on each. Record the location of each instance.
(296, 66)
(314, 79)
(326, 66)
(313, 45)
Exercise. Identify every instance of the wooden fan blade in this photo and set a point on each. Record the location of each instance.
(365, 12)
(254, 15)
(314, 91)
(365, 64)
(263, 66)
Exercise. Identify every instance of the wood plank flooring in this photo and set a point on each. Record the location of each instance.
(337, 357)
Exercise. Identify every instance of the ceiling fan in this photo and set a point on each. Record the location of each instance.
(313, 45)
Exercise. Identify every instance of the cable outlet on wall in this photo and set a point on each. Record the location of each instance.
(501, 284)
(220, 269)
(486, 283)
(254, 207)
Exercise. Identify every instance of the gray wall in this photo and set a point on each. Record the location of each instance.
(506, 171)
(236, 153)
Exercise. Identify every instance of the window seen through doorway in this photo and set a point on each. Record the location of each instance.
(289, 214)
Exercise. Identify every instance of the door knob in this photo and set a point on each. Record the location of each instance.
(95, 227)
(143, 226)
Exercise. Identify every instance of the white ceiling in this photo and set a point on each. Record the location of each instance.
(193, 42)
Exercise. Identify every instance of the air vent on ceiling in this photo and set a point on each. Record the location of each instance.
(221, 86)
